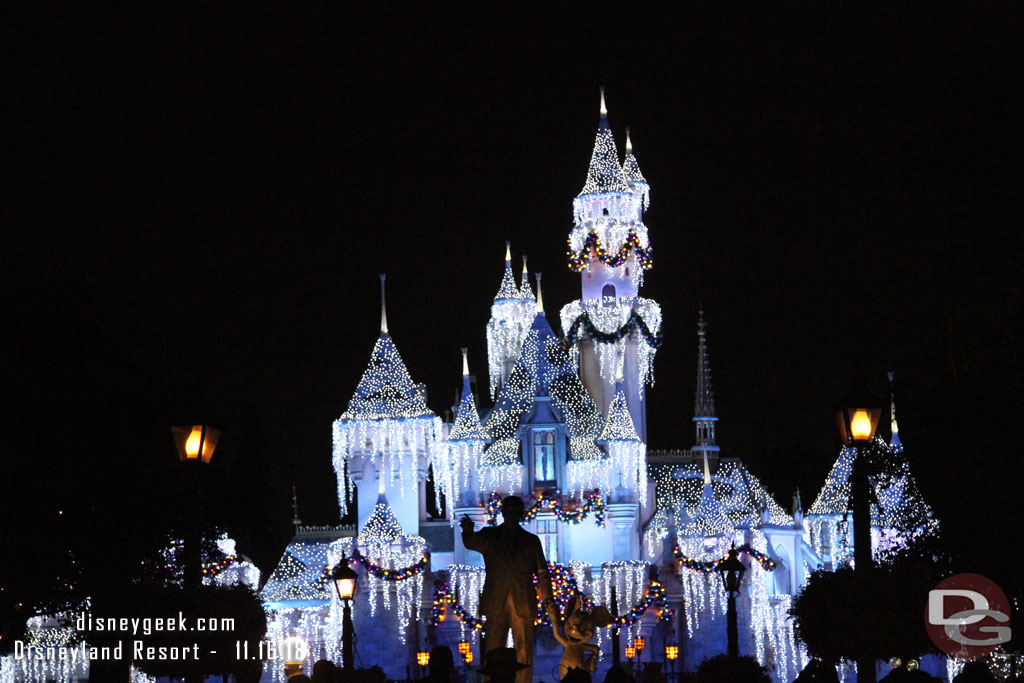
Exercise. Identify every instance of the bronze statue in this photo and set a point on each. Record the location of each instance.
(580, 626)
(512, 555)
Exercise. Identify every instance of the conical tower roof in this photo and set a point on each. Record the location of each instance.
(630, 167)
(381, 526)
(709, 519)
(467, 425)
(618, 426)
(508, 289)
(525, 291)
(385, 391)
(604, 173)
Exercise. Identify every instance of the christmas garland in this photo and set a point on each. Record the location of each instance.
(443, 595)
(655, 596)
(654, 340)
(578, 262)
(594, 502)
(383, 573)
(564, 587)
(710, 566)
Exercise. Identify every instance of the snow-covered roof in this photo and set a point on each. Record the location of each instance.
(733, 491)
(386, 391)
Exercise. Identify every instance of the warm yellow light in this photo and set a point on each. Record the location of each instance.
(468, 657)
(860, 426)
(422, 658)
(630, 652)
(671, 652)
(196, 443)
(640, 643)
(463, 647)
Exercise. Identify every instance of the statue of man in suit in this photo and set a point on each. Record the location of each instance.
(512, 555)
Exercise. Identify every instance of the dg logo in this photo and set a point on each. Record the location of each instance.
(967, 616)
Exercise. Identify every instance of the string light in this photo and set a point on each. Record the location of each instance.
(593, 502)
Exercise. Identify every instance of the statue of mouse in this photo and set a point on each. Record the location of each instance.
(579, 627)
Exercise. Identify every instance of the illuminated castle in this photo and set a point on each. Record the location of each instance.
(638, 531)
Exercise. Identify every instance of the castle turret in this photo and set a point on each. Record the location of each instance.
(456, 467)
(616, 332)
(704, 402)
(512, 314)
(384, 438)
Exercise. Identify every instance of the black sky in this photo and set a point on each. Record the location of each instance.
(196, 208)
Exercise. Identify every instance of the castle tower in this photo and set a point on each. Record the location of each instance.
(616, 332)
(384, 439)
(704, 402)
(458, 461)
(512, 315)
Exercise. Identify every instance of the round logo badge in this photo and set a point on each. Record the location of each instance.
(967, 616)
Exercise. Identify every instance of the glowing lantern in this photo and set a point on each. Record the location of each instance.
(858, 419)
(671, 652)
(195, 443)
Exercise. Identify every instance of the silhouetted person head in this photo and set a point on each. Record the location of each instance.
(323, 671)
(299, 678)
(975, 671)
(576, 675)
(512, 509)
(441, 663)
(500, 665)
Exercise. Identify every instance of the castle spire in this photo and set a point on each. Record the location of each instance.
(295, 509)
(605, 173)
(634, 178)
(525, 292)
(508, 289)
(540, 296)
(895, 442)
(704, 400)
(383, 307)
(704, 403)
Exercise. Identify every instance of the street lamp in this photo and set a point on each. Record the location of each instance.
(858, 419)
(423, 658)
(732, 571)
(639, 643)
(195, 446)
(345, 585)
(671, 653)
(630, 652)
(293, 651)
(464, 647)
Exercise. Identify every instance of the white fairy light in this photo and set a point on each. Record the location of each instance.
(627, 453)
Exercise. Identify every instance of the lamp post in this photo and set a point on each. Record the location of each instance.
(732, 571)
(671, 653)
(630, 653)
(423, 658)
(615, 631)
(293, 651)
(345, 585)
(858, 420)
(195, 448)
(639, 643)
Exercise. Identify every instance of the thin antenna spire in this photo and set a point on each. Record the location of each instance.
(508, 252)
(604, 109)
(295, 508)
(524, 264)
(540, 296)
(895, 440)
(465, 362)
(383, 307)
(629, 143)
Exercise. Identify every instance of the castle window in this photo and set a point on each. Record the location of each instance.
(608, 291)
(544, 456)
(547, 531)
(605, 212)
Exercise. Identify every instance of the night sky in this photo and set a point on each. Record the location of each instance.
(196, 207)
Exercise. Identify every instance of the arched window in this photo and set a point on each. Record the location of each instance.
(608, 291)
(544, 456)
